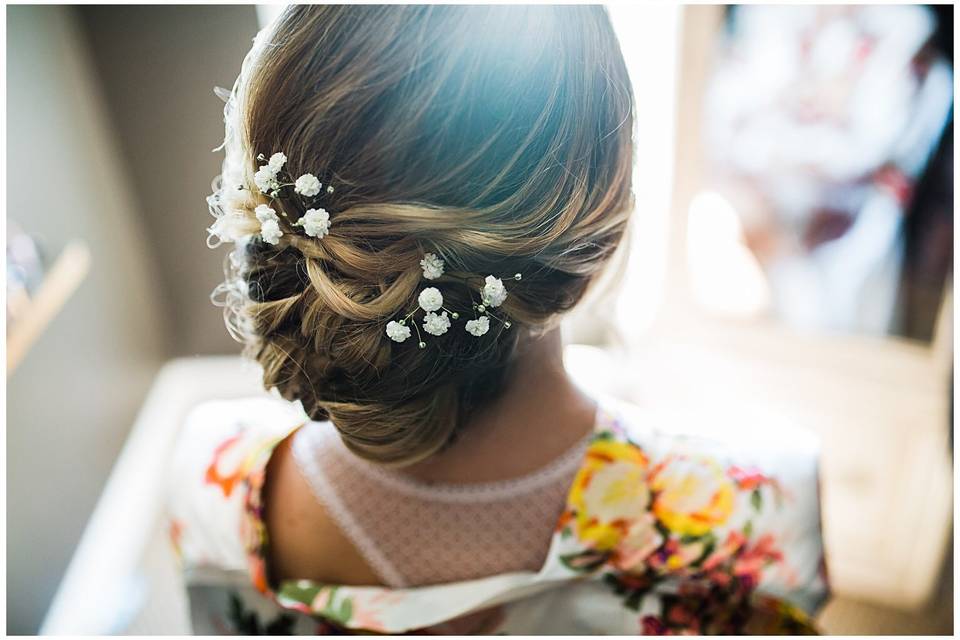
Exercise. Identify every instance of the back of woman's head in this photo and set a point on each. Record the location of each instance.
(496, 137)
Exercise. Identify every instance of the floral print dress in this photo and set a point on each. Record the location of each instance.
(663, 533)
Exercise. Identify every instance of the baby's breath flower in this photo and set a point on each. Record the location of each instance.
(307, 185)
(264, 213)
(494, 292)
(430, 299)
(315, 222)
(432, 266)
(397, 332)
(436, 325)
(266, 179)
(269, 224)
(276, 162)
(270, 231)
(479, 326)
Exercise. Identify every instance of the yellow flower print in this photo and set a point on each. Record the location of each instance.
(609, 493)
(692, 494)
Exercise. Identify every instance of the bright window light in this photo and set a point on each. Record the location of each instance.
(725, 276)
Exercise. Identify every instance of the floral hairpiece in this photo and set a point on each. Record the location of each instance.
(430, 300)
(270, 179)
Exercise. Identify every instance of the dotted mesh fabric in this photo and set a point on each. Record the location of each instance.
(414, 534)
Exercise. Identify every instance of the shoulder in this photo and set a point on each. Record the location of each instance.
(735, 439)
(305, 542)
(220, 455)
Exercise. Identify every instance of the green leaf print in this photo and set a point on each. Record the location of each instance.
(300, 592)
(709, 544)
(343, 612)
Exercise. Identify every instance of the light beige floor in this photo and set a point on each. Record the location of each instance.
(848, 617)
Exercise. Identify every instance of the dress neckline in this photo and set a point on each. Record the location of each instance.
(303, 594)
(562, 465)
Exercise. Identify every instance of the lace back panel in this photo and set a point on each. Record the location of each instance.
(414, 534)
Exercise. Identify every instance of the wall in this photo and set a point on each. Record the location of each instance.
(161, 103)
(71, 401)
(111, 119)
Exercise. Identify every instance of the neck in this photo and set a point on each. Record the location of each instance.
(539, 416)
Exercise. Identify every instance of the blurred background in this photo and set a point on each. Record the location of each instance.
(790, 264)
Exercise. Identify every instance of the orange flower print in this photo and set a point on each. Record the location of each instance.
(232, 464)
(756, 557)
(641, 539)
(731, 545)
(258, 574)
(227, 481)
(176, 535)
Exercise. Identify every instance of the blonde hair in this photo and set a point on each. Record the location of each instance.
(497, 137)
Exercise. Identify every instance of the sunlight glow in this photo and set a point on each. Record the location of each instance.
(724, 275)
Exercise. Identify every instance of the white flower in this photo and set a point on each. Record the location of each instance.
(307, 185)
(264, 213)
(397, 332)
(269, 223)
(432, 266)
(230, 227)
(493, 292)
(436, 325)
(430, 299)
(316, 223)
(266, 179)
(276, 162)
(270, 231)
(479, 326)
(616, 489)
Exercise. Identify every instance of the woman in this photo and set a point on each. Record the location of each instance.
(417, 195)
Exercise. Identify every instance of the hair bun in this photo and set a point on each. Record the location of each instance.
(405, 110)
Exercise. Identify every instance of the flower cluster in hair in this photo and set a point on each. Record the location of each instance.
(437, 318)
(271, 180)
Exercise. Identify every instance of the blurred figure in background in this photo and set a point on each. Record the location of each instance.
(821, 121)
